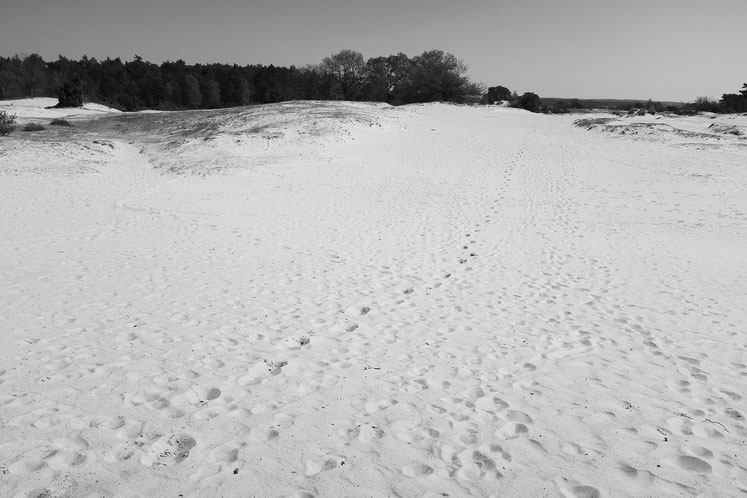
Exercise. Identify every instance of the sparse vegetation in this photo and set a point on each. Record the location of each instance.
(33, 127)
(60, 122)
(705, 104)
(7, 122)
(591, 122)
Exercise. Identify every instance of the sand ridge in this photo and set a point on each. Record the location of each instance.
(424, 301)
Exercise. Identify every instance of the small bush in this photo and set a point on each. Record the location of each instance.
(7, 122)
(60, 122)
(530, 101)
(33, 127)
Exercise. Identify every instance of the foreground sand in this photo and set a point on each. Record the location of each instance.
(354, 300)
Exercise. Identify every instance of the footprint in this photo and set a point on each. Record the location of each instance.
(274, 366)
(168, 450)
(326, 463)
(61, 457)
(127, 429)
(63, 461)
(351, 326)
(517, 416)
(573, 489)
(512, 430)
(417, 470)
(207, 475)
(693, 464)
(296, 342)
(223, 461)
(374, 406)
(357, 310)
(474, 465)
(202, 394)
(365, 433)
(496, 448)
(257, 373)
(227, 453)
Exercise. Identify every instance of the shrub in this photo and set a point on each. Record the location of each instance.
(7, 122)
(33, 127)
(705, 104)
(497, 94)
(591, 122)
(531, 102)
(60, 122)
(70, 94)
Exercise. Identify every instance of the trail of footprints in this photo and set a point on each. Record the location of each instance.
(434, 427)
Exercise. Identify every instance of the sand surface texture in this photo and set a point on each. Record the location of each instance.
(43, 108)
(330, 299)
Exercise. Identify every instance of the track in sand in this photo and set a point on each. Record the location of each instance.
(337, 299)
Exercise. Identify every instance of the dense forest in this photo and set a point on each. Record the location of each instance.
(398, 79)
(434, 75)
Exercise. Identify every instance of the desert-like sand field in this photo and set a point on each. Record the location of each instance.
(349, 299)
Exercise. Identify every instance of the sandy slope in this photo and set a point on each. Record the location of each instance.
(369, 301)
(41, 110)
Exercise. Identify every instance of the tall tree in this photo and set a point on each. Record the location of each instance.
(498, 93)
(192, 93)
(387, 78)
(10, 77)
(34, 75)
(439, 76)
(211, 94)
(734, 102)
(348, 70)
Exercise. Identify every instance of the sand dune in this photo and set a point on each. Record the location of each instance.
(42, 108)
(330, 299)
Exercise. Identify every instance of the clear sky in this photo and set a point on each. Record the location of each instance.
(659, 49)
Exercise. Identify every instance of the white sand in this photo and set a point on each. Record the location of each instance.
(369, 301)
(41, 109)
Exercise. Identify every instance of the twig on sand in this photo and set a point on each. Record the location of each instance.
(717, 423)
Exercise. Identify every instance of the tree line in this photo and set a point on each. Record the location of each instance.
(434, 75)
(729, 103)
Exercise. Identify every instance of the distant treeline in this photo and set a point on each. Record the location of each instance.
(729, 103)
(434, 75)
(398, 79)
(560, 105)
